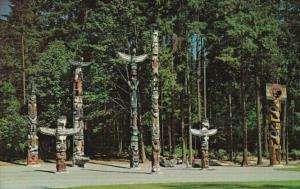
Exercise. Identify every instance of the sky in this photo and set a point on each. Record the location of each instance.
(4, 8)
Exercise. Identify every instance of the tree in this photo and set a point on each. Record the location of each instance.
(12, 124)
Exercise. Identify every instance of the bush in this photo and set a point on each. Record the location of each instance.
(295, 154)
(13, 128)
(220, 154)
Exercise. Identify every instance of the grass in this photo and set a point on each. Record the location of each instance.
(294, 168)
(4, 163)
(215, 185)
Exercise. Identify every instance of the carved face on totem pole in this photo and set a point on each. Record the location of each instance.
(275, 93)
(32, 143)
(133, 84)
(61, 144)
(61, 133)
(205, 132)
(155, 105)
(78, 81)
(32, 107)
(78, 108)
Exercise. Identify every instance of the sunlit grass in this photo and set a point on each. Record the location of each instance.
(4, 163)
(294, 168)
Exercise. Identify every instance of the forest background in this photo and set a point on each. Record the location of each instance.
(246, 45)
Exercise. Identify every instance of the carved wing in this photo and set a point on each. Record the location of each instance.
(124, 56)
(79, 64)
(47, 131)
(208, 132)
(212, 132)
(197, 132)
(70, 131)
(83, 64)
(140, 58)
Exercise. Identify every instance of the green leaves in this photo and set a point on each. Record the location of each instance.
(12, 124)
(240, 36)
(54, 83)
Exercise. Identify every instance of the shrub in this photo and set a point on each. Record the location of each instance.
(220, 154)
(295, 154)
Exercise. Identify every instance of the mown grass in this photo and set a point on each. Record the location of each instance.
(216, 185)
(294, 168)
(4, 163)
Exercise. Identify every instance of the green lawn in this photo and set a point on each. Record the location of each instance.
(4, 163)
(295, 168)
(216, 185)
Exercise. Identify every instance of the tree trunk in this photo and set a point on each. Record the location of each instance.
(204, 86)
(284, 131)
(189, 109)
(244, 117)
(183, 137)
(199, 107)
(170, 138)
(120, 139)
(287, 138)
(231, 133)
(141, 134)
(23, 70)
(161, 124)
(258, 123)
(199, 92)
(265, 126)
(114, 144)
(173, 130)
(142, 145)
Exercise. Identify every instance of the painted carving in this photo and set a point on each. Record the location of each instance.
(275, 93)
(133, 85)
(78, 139)
(61, 133)
(155, 106)
(32, 143)
(205, 133)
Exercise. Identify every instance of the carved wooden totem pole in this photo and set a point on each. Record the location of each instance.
(32, 144)
(275, 93)
(61, 133)
(78, 139)
(133, 85)
(205, 132)
(155, 106)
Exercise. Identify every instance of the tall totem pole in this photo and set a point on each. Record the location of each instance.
(133, 85)
(205, 132)
(78, 139)
(32, 143)
(155, 105)
(275, 93)
(61, 133)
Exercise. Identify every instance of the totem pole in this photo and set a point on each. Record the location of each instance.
(78, 139)
(33, 150)
(155, 106)
(275, 93)
(61, 133)
(205, 132)
(133, 85)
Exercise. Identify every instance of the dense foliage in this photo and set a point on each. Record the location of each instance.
(247, 44)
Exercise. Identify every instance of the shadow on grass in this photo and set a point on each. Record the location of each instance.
(126, 172)
(45, 171)
(40, 170)
(17, 163)
(117, 166)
